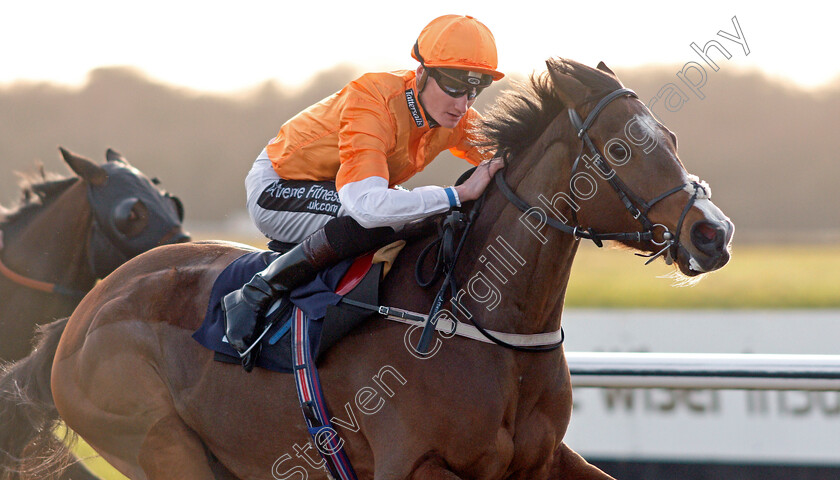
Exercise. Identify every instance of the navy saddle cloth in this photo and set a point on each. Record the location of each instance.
(317, 300)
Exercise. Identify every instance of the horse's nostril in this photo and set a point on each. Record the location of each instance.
(707, 237)
(175, 237)
(707, 232)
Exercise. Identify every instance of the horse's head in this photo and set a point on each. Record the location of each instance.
(131, 213)
(638, 173)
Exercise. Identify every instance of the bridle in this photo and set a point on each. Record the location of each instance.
(635, 204)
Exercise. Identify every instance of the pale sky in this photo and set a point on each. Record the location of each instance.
(229, 46)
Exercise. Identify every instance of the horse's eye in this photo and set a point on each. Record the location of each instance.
(131, 216)
(617, 151)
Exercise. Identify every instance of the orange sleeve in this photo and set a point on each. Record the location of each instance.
(466, 135)
(366, 135)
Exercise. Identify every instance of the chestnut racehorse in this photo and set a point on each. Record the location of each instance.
(128, 377)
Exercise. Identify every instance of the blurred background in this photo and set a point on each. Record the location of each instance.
(191, 92)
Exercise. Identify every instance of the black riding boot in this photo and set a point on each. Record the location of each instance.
(244, 308)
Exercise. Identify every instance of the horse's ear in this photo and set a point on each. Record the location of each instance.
(114, 156)
(604, 68)
(84, 168)
(570, 90)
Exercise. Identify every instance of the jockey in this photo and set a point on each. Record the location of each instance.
(326, 182)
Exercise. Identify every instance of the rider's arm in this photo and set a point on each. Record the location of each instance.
(367, 133)
(371, 203)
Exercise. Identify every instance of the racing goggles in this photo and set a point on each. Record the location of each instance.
(457, 83)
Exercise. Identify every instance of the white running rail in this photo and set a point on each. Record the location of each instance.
(705, 371)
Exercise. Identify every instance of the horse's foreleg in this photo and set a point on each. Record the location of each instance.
(432, 467)
(172, 450)
(568, 465)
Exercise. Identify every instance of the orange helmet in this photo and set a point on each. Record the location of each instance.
(457, 41)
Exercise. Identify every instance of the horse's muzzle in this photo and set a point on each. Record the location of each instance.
(175, 235)
(182, 237)
(710, 240)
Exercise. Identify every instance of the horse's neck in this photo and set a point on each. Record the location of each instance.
(517, 277)
(52, 247)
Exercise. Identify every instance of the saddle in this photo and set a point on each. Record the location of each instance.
(336, 301)
(320, 300)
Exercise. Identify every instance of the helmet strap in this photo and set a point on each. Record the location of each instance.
(421, 80)
(417, 53)
(421, 83)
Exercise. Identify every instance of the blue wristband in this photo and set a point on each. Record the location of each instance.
(450, 192)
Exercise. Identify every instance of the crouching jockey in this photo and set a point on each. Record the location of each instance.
(326, 182)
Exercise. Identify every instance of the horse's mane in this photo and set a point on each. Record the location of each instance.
(38, 190)
(521, 115)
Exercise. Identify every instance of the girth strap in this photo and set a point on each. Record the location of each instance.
(449, 327)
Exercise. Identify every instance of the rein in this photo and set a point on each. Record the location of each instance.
(531, 343)
(447, 258)
(634, 204)
(37, 284)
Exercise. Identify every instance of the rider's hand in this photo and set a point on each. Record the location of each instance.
(475, 185)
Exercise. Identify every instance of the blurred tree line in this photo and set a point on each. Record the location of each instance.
(768, 148)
